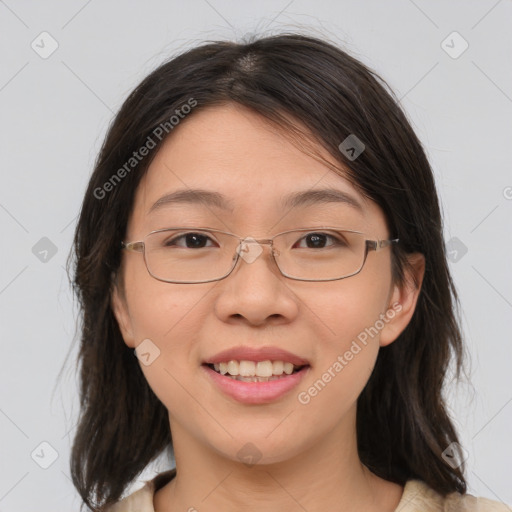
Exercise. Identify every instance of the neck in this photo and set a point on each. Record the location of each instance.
(328, 475)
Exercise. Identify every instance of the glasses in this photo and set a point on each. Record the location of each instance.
(201, 255)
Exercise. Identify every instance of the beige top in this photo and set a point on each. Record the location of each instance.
(417, 497)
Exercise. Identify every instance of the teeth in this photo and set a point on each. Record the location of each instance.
(264, 369)
(233, 368)
(248, 369)
(277, 367)
(288, 368)
(254, 379)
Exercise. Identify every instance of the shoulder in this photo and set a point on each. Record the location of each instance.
(139, 501)
(418, 495)
(142, 499)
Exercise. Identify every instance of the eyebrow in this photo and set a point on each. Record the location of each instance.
(323, 195)
(295, 200)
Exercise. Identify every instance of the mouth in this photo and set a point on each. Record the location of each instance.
(255, 371)
(255, 389)
(255, 375)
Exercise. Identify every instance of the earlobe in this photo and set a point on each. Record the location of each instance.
(404, 298)
(120, 310)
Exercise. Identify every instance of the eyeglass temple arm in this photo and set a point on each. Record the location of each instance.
(375, 245)
(133, 246)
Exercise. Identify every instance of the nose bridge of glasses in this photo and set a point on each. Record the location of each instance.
(250, 248)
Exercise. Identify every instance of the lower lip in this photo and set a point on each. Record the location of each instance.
(256, 392)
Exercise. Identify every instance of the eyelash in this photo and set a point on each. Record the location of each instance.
(172, 241)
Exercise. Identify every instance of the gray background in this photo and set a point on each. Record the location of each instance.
(54, 114)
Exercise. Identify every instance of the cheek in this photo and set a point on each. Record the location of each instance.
(351, 316)
(159, 311)
(348, 310)
(166, 320)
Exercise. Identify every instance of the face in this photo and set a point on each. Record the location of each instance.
(336, 327)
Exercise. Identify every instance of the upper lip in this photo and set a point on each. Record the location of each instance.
(256, 354)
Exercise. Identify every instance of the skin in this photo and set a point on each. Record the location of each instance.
(309, 458)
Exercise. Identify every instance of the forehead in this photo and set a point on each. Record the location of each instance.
(236, 153)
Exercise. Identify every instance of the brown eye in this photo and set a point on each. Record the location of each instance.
(319, 241)
(188, 241)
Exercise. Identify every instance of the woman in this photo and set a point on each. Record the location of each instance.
(262, 232)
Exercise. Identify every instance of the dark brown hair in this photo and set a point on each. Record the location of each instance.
(293, 81)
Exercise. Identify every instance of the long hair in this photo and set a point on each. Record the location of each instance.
(319, 95)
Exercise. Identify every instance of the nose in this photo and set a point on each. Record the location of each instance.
(256, 291)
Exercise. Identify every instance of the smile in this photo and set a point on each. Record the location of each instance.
(255, 389)
(248, 371)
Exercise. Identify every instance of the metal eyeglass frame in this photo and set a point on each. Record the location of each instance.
(370, 245)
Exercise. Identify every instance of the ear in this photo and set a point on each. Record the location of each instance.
(403, 299)
(121, 312)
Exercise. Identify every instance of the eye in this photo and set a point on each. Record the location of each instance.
(188, 241)
(321, 240)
